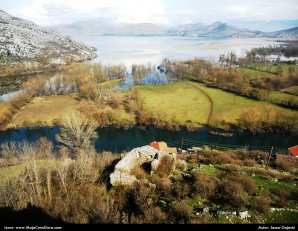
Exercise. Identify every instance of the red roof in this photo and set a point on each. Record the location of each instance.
(294, 150)
(155, 145)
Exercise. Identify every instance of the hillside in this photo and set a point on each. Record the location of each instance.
(215, 30)
(24, 40)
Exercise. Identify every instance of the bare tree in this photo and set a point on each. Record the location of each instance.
(77, 132)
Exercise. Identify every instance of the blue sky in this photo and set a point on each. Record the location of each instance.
(265, 15)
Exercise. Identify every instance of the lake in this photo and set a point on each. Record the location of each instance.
(128, 50)
(143, 49)
(119, 140)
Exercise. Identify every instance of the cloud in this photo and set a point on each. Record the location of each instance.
(47, 12)
(171, 12)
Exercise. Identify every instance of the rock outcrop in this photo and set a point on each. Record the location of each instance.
(138, 157)
(22, 40)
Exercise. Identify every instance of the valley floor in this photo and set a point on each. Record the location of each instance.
(184, 104)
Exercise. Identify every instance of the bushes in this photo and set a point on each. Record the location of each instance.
(166, 165)
(282, 197)
(231, 194)
(283, 164)
(247, 183)
(182, 211)
(260, 204)
(205, 185)
(20, 100)
(249, 162)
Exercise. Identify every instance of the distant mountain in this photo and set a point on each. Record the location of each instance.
(141, 29)
(215, 30)
(288, 33)
(24, 40)
(97, 28)
(186, 30)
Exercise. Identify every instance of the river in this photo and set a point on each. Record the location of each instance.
(119, 140)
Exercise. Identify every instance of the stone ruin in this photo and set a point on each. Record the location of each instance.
(137, 157)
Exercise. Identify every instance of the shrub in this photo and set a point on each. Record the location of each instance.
(249, 162)
(182, 211)
(181, 165)
(152, 215)
(246, 182)
(260, 204)
(205, 185)
(20, 100)
(284, 165)
(257, 155)
(139, 172)
(230, 193)
(180, 190)
(115, 101)
(281, 197)
(165, 165)
(163, 184)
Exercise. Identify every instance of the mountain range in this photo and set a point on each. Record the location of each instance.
(215, 30)
(21, 40)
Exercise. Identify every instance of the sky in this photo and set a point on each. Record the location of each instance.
(265, 15)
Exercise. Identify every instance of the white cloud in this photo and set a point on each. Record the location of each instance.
(49, 12)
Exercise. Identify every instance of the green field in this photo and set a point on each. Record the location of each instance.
(44, 111)
(255, 74)
(280, 97)
(291, 90)
(49, 111)
(273, 69)
(179, 101)
(186, 102)
(183, 103)
(228, 106)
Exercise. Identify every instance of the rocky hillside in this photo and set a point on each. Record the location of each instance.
(215, 30)
(289, 33)
(24, 40)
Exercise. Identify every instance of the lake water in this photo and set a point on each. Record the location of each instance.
(119, 140)
(130, 50)
(141, 50)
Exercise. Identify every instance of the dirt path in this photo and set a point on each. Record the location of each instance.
(210, 101)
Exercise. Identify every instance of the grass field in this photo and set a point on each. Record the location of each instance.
(179, 101)
(187, 103)
(184, 103)
(48, 111)
(279, 97)
(273, 69)
(228, 106)
(291, 90)
(255, 74)
(44, 111)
